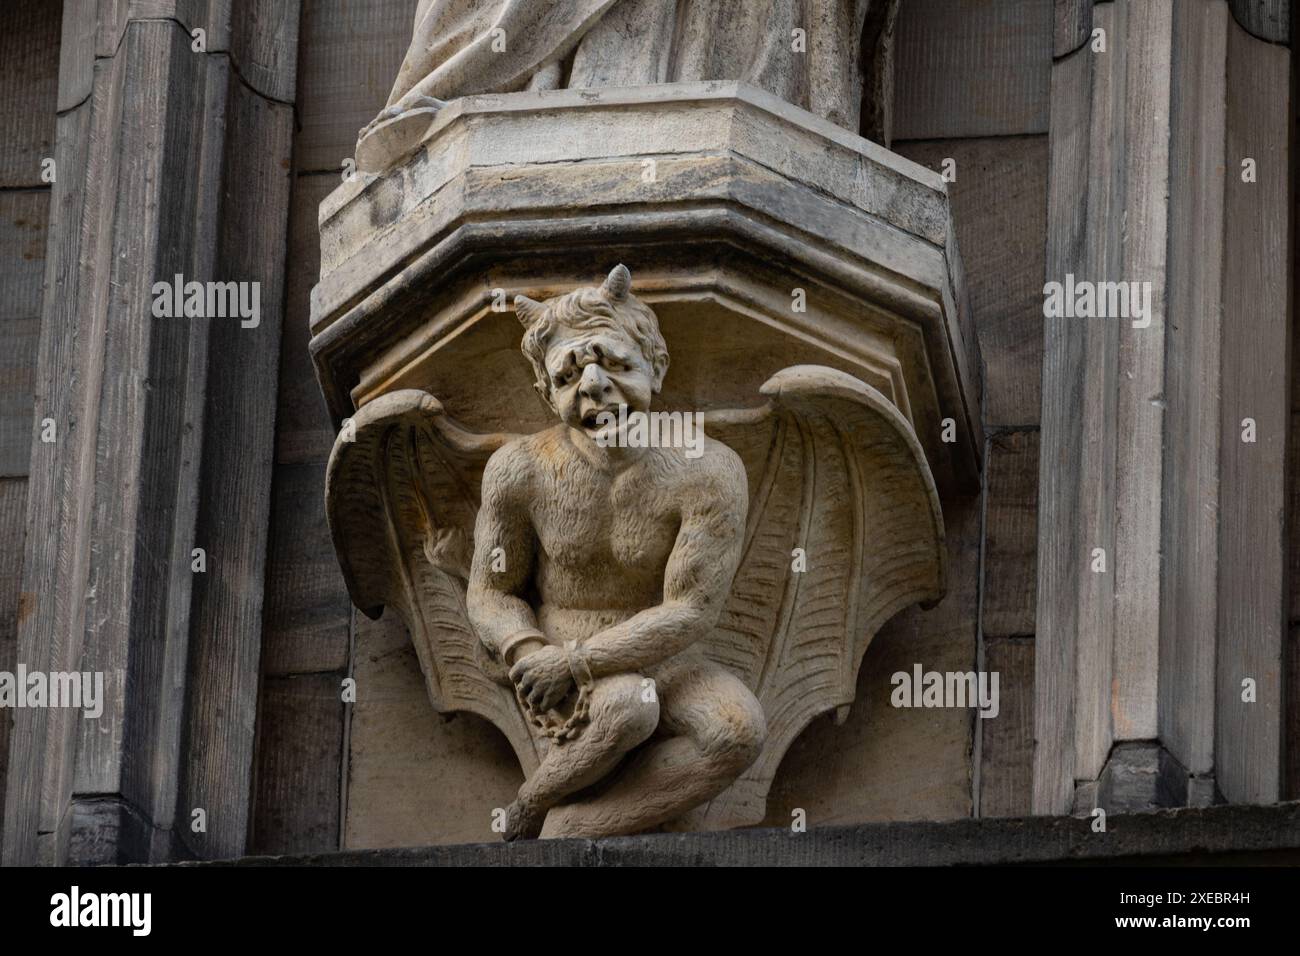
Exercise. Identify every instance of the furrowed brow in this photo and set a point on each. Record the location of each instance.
(564, 364)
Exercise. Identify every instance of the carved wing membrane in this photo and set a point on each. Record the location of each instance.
(835, 469)
(402, 493)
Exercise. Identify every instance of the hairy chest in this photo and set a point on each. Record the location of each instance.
(603, 526)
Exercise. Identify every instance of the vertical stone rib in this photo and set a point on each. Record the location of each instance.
(169, 163)
(1179, 99)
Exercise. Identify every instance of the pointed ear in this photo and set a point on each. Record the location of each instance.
(659, 370)
(528, 310)
(618, 282)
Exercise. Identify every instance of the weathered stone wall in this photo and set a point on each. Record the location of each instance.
(29, 70)
(972, 87)
(173, 155)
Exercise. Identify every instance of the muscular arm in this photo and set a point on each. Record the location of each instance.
(697, 577)
(496, 599)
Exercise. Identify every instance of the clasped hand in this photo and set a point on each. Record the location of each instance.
(542, 677)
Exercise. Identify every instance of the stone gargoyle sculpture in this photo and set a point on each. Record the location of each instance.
(649, 626)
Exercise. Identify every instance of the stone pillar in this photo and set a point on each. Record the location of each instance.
(174, 138)
(1161, 521)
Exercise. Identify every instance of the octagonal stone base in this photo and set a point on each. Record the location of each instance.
(762, 236)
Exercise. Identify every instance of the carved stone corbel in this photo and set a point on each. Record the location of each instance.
(807, 285)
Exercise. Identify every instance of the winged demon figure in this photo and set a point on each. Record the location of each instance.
(649, 625)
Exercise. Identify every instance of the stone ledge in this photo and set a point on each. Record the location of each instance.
(1234, 835)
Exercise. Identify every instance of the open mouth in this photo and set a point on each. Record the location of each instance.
(591, 421)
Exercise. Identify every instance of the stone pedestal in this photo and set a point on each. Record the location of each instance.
(762, 236)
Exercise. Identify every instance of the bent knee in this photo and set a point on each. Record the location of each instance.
(737, 737)
(623, 709)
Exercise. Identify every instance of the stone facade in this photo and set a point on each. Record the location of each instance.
(1006, 151)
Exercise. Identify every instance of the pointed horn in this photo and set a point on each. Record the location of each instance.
(618, 282)
(528, 310)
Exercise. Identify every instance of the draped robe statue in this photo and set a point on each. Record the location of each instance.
(830, 57)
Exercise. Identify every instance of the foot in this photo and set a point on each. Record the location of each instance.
(403, 105)
(524, 821)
